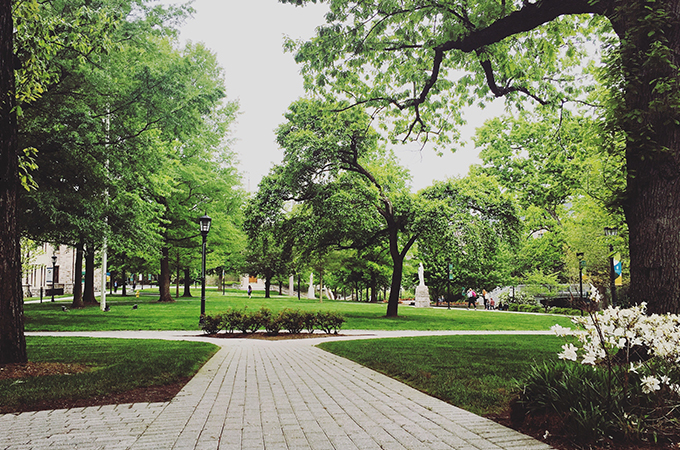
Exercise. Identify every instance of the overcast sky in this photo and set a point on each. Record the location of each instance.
(247, 36)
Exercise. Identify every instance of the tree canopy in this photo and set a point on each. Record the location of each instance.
(421, 62)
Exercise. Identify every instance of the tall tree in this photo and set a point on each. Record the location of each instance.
(200, 178)
(95, 131)
(403, 56)
(12, 341)
(333, 162)
(541, 158)
(482, 233)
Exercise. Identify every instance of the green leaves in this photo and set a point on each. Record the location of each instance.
(404, 60)
(478, 227)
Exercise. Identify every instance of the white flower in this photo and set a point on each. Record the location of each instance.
(634, 368)
(589, 359)
(650, 384)
(569, 352)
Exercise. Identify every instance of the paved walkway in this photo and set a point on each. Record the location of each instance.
(256, 394)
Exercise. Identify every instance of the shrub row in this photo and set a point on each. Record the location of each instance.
(523, 307)
(565, 311)
(294, 321)
(540, 309)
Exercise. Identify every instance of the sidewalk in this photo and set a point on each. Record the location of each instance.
(256, 394)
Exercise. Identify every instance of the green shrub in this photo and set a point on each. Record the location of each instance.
(231, 320)
(292, 320)
(329, 321)
(250, 321)
(309, 321)
(271, 323)
(287, 319)
(565, 311)
(530, 308)
(211, 324)
(513, 307)
(626, 384)
(576, 394)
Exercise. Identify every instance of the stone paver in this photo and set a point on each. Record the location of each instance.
(270, 395)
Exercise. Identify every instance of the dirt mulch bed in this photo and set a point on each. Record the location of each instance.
(39, 369)
(150, 394)
(268, 337)
(562, 441)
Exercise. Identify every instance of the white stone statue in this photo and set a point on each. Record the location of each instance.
(422, 299)
(310, 291)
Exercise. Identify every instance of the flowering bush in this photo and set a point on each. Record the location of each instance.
(637, 358)
(617, 336)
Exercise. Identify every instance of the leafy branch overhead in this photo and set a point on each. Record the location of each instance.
(423, 61)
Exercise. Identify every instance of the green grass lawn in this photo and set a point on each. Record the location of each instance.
(474, 372)
(117, 365)
(183, 314)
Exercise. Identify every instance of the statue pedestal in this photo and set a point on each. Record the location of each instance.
(422, 297)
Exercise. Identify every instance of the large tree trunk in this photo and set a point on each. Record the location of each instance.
(267, 285)
(395, 286)
(78, 278)
(650, 45)
(164, 278)
(12, 340)
(88, 295)
(374, 290)
(123, 277)
(187, 282)
(397, 271)
(177, 279)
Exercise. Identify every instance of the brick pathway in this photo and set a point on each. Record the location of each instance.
(271, 395)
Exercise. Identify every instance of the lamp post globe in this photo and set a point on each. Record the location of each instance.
(54, 272)
(204, 223)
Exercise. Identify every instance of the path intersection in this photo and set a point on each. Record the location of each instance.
(269, 395)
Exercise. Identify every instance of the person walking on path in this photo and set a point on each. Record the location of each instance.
(250, 291)
(471, 299)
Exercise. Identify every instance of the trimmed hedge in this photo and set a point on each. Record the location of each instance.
(565, 311)
(294, 321)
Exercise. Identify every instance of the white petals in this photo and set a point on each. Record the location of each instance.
(650, 384)
(569, 352)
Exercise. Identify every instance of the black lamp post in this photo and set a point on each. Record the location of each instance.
(54, 273)
(448, 285)
(581, 265)
(204, 222)
(612, 273)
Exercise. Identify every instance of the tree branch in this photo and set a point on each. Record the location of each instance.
(531, 16)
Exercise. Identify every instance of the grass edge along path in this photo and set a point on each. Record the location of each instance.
(184, 313)
(473, 372)
(115, 366)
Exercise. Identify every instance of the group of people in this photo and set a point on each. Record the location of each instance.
(472, 297)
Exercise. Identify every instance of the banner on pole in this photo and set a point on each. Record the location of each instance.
(618, 270)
